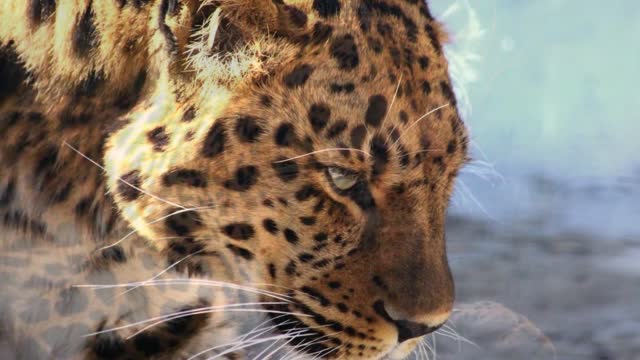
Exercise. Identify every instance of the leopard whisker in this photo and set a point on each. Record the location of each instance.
(425, 343)
(133, 232)
(204, 310)
(198, 311)
(65, 143)
(255, 342)
(393, 100)
(322, 151)
(241, 339)
(319, 354)
(456, 336)
(420, 352)
(164, 271)
(189, 282)
(289, 333)
(417, 121)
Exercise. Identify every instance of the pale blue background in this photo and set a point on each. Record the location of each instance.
(555, 96)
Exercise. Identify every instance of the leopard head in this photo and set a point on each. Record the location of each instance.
(325, 167)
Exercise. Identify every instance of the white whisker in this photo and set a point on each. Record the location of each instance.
(163, 271)
(120, 179)
(393, 100)
(417, 121)
(212, 283)
(321, 151)
(177, 212)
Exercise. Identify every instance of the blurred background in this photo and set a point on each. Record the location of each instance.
(546, 220)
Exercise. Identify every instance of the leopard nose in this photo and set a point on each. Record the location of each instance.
(409, 329)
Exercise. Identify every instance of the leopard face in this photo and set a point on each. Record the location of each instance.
(328, 178)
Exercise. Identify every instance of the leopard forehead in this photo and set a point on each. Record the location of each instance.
(241, 166)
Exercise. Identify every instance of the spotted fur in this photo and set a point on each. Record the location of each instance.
(208, 128)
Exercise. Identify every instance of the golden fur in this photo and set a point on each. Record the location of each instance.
(212, 125)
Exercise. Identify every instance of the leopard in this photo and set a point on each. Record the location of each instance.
(200, 179)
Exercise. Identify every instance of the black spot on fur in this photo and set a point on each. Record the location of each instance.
(239, 231)
(114, 253)
(270, 226)
(244, 178)
(186, 326)
(286, 170)
(424, 62)
(448, 93)
(12, 73)
(319, 115)
(158, 138)
(90, 86)
(298, 17)
(19, 220)
(364, 16)
(148, 344)
(132, 95)
(346, 88)
(316, 295)
(125, 190)
(215, 141)
(357, 136)
(85, 35)
(326, 8)
(308, 220)
(248, 129)
(376, 110)
(266, 100)
(452, 146)
(291, 236)
(320, 237)
(285, 135)
(305, 257)
(40, 10)
(344, 308)
(183, 223)
(404, 117)
(108, 345)
(8, 120)
(426, 87)
(321, 32)
(298, 76)
(189, 115)
(345, 52)
(291, 268)
(306, 192)
(433, 38)
(243, 253)
(380, 154)
(272, 270)
(139, 4)
(8, 193)
(336, 129)
(171, 41)
(403, 155)
(189, 177)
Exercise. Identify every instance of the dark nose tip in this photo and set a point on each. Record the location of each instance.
(409, 329)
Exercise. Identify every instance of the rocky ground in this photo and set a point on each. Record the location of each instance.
(580, 292)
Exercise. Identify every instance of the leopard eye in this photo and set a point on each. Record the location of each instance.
(341, 178)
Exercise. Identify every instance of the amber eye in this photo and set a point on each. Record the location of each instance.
(341, 178)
